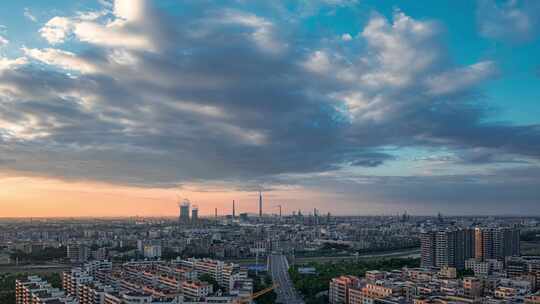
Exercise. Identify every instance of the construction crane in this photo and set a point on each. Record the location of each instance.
(247, 300)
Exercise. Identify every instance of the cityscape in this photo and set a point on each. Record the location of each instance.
(271, 258)
(270, 152)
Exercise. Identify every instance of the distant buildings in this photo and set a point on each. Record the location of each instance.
(184, 212)
(152, 251)
(185, 209)
(195, 214)
(77, 252)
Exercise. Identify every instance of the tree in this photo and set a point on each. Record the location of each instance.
(210, 280)
(465, 273)
(310, 286)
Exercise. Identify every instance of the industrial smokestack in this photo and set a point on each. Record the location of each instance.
(260, 204)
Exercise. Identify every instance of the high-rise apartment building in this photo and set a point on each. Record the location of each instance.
(339, 288)
(453, 246)
(511, 242)
(496, 243)
(428, 245)
(447, 248)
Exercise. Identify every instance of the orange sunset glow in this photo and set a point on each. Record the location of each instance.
(49, 197)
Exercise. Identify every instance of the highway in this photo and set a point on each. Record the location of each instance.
(280, 275)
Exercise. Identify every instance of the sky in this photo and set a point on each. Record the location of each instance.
(354, 107)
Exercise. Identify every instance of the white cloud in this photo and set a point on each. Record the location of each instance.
(461, 79)
(61, 59)
(346, 37)
(57, 30)
(7, 64)
(126, 29)
(111, 36)
(400, 50)
(3, 41)
(91, 16)
(28, 128)
(263, 34)
(318, 62)
(122, 57)
(106, 3)
(403, 55)
(515, 20)
(130, 10)
(213, 103)
(29, 15)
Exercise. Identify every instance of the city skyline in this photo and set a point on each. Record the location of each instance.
(118, 107)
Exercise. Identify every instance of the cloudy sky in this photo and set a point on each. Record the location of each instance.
(351, 106)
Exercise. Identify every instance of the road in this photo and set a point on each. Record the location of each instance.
(280, 275)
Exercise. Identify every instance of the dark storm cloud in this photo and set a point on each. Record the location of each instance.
(230, 95)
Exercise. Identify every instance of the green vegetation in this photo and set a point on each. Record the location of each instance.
(311, 286)
(530, 242)
(261, 282)
(530, 248)
(210, 280)
(530, 236)
(43, 255)
(7, 284)
(169, 254)
(465, 273)
(124, 249)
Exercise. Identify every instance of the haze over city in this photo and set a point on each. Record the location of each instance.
(354, 107)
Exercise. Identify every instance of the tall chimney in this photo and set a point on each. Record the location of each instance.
(260, 204)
